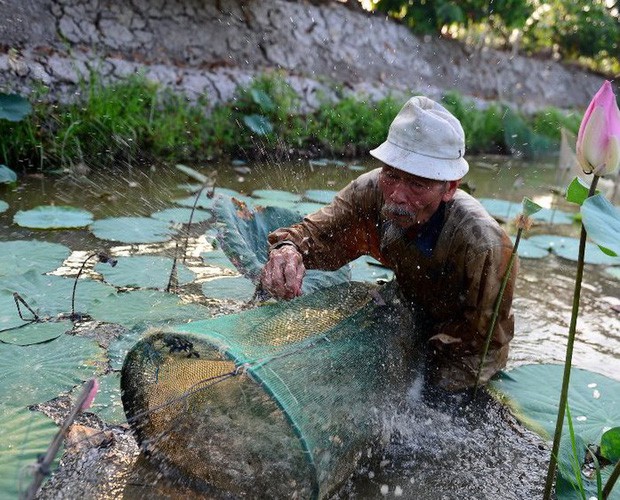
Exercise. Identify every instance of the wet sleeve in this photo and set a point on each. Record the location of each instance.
(458, 345)
(338, 233)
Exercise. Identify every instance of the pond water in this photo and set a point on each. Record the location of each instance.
(543, 295)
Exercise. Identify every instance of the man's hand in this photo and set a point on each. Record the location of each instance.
(284, 272)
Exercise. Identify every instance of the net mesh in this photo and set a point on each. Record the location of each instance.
(282, 399)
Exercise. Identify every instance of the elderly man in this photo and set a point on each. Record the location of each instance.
(448, 255)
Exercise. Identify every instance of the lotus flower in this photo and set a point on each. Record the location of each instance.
(598, 141)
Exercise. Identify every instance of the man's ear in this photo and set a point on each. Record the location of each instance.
(450, 190)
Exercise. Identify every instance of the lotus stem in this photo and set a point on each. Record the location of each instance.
(611, 481)
(43, 466)
(498, 302)
(569, 355)
(102, 258)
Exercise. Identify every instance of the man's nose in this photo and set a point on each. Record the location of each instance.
(398, 195)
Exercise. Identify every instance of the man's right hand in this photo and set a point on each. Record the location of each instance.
(283, 274)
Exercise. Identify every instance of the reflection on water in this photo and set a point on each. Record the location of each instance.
(542, 309)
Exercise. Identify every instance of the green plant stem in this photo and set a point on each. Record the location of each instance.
(569, 356)
(611, 481)
(498, 301)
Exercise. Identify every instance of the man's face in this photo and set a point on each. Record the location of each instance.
(410, 200)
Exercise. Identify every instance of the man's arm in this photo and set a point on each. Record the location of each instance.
(458, 345)
(327, 239)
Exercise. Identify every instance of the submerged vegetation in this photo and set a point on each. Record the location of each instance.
(134, 121)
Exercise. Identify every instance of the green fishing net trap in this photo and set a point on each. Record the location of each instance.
(278, 401)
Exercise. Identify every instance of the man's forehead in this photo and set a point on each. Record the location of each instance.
(406, 175)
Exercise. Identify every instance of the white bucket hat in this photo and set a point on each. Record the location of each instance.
(425, 140)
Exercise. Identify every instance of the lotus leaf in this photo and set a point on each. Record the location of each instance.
(356, 168)
(263, 100)
(25, 436)
(594, 399)
(51, 295)
(508, 210)
(7, 176)
(528, 250)
(320, 196)
(36, 333)
(243, 237)
(145, 306)
(276, 195)
(9, 317)
(307, 207)
(602, 222)
(181, 215)
(264, 202)
(577, 191)
(4, 206)
(53, 217)
(121, 346)
(194, 174)
(14, 107)
(368, 269)
(568, 248)
(236, 288)
(207, 203)
(529, 208)
(258, 124)
(108, 405)
(610, 444)
(132, 230)
(143, 271)
(18, 256)
(37, 373)
(614, 272)
(217, 258)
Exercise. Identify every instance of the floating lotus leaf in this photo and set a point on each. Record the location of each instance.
(181, 215)
(207, 203)
(51, 295)
(37, 373)
(320, 196)
(307, 207)
(19, 256)
(4, 206)
(36, 333)
(25, 436)
(191, 188)
(243, 237)
(594, 399)
(53, 217)
(602, 222)
(568, 248)
(14, 107)
(264, 202)
(9, 317)
(143, 271)
(118, 349)
(508, 210)
(7, 176)
(194, 174)
(258, 124)
(132, 230)
(363, 269)
(145, 306)
(614, 272)
(217, 258)
(356, 168)
(108, 405)
(276, 195)
(529, 250)
(237, 288)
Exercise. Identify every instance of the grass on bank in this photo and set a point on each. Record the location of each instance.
(134, 120)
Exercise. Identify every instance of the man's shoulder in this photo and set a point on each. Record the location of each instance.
(470, 221)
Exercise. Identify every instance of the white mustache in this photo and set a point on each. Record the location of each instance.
(395, 210)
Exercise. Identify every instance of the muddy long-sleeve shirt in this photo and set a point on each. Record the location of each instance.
(451, 269)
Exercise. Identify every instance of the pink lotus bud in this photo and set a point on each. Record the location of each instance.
(91, 395)
(598, 141)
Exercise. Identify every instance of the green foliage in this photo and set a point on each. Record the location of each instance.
(483, 128)
(550, 121)
(351, 124)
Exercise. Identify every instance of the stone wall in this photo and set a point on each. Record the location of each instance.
(208, 47)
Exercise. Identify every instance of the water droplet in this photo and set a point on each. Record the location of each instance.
(385, 489)
(398, 491)
(591, 386)
(596, 394)
(582, 418)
